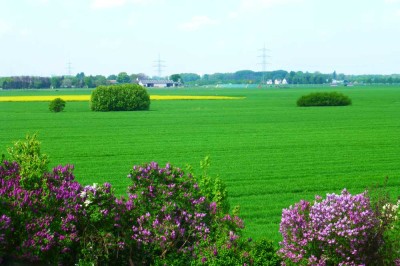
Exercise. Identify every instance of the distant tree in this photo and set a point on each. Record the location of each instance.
(99, 80)
(279, 74)
(290, 77)
(133, 77)
(112, 77)
(189, 77)
(175, 77)
(66, 83)
(89, 82)
(142, 76)
(80, 76)
(80, 80)
(341, 76)
(55, 82)
(334, 75)
(244, 76)
(123, 77)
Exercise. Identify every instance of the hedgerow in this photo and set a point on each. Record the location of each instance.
(324, 99)
(122, 97)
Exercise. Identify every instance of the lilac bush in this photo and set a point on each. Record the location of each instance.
(102, 237)
(170, 215)
(339, 230)
(41, 221)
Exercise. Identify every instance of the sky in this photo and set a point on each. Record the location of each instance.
(55, 37)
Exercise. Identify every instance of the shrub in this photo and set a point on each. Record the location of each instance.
(340, 230)
(57, 105)
(212, 187)
(31, 162)
(39, 223)
(389, 217)
(123, 97)
(323, 99)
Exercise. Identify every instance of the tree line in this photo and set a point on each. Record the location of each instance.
(292, 77)
(81, 80)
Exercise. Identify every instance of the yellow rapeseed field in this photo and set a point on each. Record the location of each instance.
(83, 98)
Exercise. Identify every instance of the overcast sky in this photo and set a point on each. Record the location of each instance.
(40, 37)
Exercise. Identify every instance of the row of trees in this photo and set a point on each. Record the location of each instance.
(292, 77)
(80, 80)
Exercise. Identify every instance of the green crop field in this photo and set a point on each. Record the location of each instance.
(269, 152)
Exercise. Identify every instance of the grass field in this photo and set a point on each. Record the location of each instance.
(269, 152)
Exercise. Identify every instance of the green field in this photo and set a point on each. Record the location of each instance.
(269, 152)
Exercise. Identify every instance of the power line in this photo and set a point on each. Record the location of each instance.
(159, 66)
(69, 68)
(263, 62)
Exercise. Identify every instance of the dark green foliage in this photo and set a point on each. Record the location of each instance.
(123, 97)
(241, 252)
(324, 99)
(263, 253)
(57, 105)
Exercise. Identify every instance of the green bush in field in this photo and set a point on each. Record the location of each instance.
(123, 97)
(324, 99)
(57, 105)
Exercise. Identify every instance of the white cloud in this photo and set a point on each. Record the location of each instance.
(25, 33)
(102, 4)
(65, 24)
(233, 15)
(197, 22)
(256, 4)
(99, 4)
(4, 27)
(38, 2)
(107, 44)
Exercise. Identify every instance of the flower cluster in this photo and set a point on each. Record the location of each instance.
(338, 230)
(171, 213)
(390, 213)
(41, 221)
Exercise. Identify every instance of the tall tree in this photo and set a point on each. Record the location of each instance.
(112, 77)
(123, 77)
(334, 75)
(176, 77)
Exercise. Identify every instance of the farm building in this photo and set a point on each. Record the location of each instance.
(158, 83)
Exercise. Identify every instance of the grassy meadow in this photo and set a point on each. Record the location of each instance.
(269, 152)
